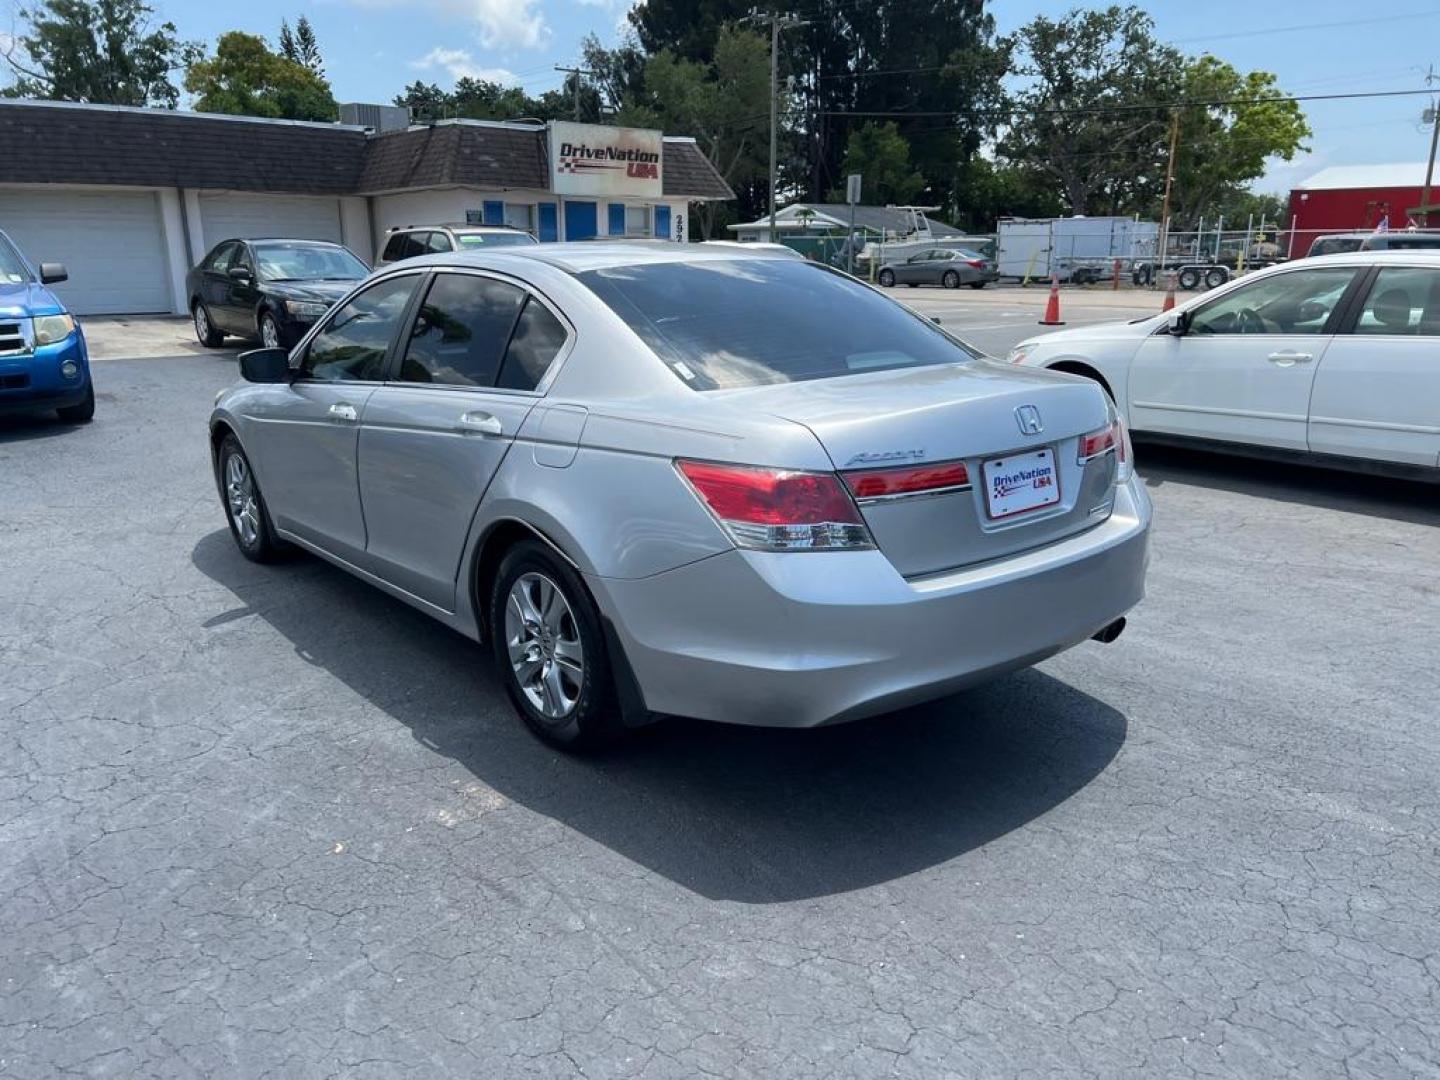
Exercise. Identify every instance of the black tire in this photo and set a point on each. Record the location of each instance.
(267, 319)
(256, 539)
(205, 331)
(950, 279)
(1215, 278)
(1189, 278)
(887, 279)
(978, 284)
(82, 413)
(593, 720)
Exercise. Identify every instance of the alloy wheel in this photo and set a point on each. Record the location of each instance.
(240, 498)
(202, 323)
(542, 640)
(269, 334)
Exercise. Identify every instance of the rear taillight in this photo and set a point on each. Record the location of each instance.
(1112, 437)
(978, 264)
(778, 509)
(1097, 443)
(907, 480)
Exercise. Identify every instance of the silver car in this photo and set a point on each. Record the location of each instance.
(688, 480)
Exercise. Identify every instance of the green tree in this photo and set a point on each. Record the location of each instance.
(722, 102)
(1092, 115)
(991, 190)
(300, 46)
(106, 52)
(1222, 149)
(244, 78)
(880, 154)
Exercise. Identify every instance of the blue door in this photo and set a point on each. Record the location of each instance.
(581, 220)
(494, 212)
(662, 222)
(549, 223)
(617, 219)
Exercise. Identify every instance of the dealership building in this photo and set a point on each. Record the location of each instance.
(129, 199)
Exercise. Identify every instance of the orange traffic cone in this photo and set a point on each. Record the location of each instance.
(1169, 293)
(1052, 306)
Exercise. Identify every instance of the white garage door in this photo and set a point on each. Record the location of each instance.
(302, 217)
(111, 244)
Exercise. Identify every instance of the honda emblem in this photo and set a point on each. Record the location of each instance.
(1028, 417)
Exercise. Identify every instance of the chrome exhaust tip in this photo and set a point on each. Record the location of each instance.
(1107, 634)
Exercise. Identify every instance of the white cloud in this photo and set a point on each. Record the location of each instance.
(459, 64)
(499, 23)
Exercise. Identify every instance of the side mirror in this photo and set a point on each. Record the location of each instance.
(239, 273)
(50, 273)
(1177, 323)
(265, 366)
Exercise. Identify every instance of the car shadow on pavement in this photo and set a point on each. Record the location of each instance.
(735, 813)
(1327, 489)
(23, 427)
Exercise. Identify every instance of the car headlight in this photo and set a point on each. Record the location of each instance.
(1018, 354)
(306, 309)
(52, 328)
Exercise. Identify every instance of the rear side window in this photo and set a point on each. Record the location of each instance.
(352, 346)
(537, 340)
(218, 261)
(403, 246)
(459, 336)
(1404, 300)
(747, 322)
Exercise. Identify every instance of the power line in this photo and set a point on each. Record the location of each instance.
(1296, 27)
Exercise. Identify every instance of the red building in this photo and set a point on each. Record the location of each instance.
(1353, 198)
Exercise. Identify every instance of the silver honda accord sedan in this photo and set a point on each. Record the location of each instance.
(688, 480)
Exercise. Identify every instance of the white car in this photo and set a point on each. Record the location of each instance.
(1334, 359)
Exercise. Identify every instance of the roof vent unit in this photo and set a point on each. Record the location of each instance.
(378, 118)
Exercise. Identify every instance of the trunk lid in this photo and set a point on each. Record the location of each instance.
(962, 412)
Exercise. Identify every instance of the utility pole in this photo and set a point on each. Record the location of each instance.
(1165, 207)
(777, 22)
(577, 72)
(1430, 168)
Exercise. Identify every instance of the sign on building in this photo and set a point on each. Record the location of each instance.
(591, 159)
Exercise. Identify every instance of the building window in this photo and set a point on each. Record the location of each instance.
(637, 221)
(520, 216)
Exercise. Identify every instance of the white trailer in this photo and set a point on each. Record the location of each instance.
(1072, 248)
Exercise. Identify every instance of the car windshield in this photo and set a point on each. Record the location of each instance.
(13, 270)
(475, 240)
(286, 261)
(748, 322)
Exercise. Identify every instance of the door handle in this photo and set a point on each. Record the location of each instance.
(1286, 359)
(482, 423)
(342, 411)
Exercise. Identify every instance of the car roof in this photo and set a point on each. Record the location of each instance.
(1367, 258)
(454, 226)
(278, 240)
(578, 257)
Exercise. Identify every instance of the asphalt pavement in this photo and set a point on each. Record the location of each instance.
(267, 822)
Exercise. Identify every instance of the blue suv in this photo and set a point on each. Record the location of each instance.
(43, 362)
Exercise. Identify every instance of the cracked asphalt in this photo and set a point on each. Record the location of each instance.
(266, 822)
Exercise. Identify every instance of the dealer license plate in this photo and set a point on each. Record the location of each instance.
(1020, 483)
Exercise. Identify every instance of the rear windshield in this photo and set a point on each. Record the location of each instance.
(1335, 245)
(749, 322)
(13, 270)
(475, 240)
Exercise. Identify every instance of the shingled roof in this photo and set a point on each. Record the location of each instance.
(61, 143)
(55, 143)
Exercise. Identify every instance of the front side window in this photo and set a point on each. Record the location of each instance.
(437, 243)
(1403, 300)
(218, 261)
(13, 270)
(538, 339)
(459, 336)
(353, 345)
(1296, 302)
(746, 321)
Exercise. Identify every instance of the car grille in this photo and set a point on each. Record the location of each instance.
(14, 382)
(12, 337)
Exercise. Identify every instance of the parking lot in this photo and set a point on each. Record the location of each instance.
(266, 821)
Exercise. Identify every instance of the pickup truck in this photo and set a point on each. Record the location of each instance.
(43, 360)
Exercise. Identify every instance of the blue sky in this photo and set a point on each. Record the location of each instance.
(373, 47)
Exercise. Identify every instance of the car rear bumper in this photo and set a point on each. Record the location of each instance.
(800, 640)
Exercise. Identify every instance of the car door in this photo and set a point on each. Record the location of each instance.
(1377, 390)
(214, 279)
(911, 271)
(1244, 369)
(236, 312)
(310, 431)
(466, 376)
